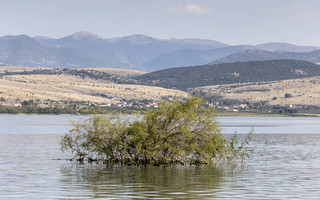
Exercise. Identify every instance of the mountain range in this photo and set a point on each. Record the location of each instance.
(139, 52)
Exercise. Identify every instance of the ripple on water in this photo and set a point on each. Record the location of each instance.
(286, 168)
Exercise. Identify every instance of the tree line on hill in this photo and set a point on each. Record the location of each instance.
(184, 78)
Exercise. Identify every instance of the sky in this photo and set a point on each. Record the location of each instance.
(230, 21)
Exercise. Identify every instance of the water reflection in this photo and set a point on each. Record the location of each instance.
(187, 182)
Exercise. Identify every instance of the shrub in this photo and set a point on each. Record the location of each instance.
(176, 132)
(287, 95)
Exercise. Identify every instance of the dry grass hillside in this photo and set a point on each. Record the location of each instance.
(73, 88)
(9, 68)
(119, 72)
(303, 91)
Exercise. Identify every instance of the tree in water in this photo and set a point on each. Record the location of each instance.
(174, 133)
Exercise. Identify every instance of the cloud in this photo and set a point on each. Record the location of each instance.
(189, 8)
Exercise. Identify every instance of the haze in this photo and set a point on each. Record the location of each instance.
(230, 21)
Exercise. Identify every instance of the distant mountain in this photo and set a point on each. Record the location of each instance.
(25, 51)
(285, 47)
(190, 57)
(44, 40)
(260, 55)
(127, 52)
(90, 44)
(228, 73)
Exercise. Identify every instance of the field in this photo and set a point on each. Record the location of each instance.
(73, 88)
(304, 91)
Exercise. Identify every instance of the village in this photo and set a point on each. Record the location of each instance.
(125, 103)
(136, 104)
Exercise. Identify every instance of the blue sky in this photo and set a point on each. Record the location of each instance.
(229, 21)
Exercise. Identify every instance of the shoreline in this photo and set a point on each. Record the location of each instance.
(218, 114)
(267, 115)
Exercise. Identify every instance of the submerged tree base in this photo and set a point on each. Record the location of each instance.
(175, 133)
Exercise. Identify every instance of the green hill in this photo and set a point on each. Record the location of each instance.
(228, 73)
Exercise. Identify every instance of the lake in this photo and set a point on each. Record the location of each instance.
(285, 165)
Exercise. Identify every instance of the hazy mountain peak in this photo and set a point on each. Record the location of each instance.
(42, 38)
(198, 41)
(138, 39)
(84, 35)
(14, 37)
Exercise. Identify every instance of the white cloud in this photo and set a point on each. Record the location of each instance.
(189, 8)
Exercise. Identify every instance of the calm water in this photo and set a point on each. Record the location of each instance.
(287, 167)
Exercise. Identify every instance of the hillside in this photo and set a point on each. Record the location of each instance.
(118, 72)
(64, 85)
(260, 55)
(229, 73)
(252, 81)
(303, 91)
(10, 68)
(285, 47)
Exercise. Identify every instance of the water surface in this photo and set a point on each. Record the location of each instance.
(286, 167)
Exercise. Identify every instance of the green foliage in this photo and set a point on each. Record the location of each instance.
(27, 103)
(287, 95)
(176, 132)
(67, 107)
(240, 149)
(283, 110)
